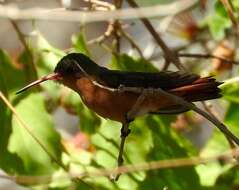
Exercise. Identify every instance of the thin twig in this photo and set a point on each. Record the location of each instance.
(102, 38)
(207, 56)
(226, 157)
(117, 26)
(14, 13)
(105, 4)
(25, 45)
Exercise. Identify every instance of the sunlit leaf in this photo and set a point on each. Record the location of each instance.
(232, 118)
(127, 63)
(150, 139)
(8, 161)
(166, 147)
(35, 159)
(218, 22)
(231, 92)
(217, 145)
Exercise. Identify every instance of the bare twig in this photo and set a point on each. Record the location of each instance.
(173, 163)
(25, 45)
(104, 4)
(207, 56)
(14, 13)
(117, 26)
(226, 157)
(107, 34)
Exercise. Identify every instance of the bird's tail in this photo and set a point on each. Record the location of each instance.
(205, 88)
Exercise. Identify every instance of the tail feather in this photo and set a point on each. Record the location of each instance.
(205, 88)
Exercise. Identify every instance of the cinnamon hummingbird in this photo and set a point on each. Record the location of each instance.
(95, 83)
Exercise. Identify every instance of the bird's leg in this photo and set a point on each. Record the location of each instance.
(125, 128)
(124, 133)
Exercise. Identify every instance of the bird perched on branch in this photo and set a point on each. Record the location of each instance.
(122, 96)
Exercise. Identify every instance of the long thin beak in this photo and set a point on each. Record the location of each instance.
(53, 76)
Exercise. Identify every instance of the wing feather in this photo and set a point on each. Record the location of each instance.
(166, 79)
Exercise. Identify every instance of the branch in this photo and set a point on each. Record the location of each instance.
(207, 56)
(28, 50)
(14, 13)
(226, 157)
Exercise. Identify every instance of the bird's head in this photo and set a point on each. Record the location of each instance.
(71, 66)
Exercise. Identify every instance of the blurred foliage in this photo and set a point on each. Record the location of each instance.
(218, 22)
(97, 144)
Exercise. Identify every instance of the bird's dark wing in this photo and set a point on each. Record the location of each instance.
(165, 79)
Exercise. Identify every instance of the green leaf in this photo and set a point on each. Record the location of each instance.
(235, 4)
(209, 172)
(127, 63)
(35, 160)
(10, 78)
(217, 145)
(9, 162)
(231, 92)
(218, 25)
(150, 139)
(13, 76)
(231, 119)
(220, 10)
(79, 44)
(167, 145)
(228, 180)
(107, 142)
(218, 22)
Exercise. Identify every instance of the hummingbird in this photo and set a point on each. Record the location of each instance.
(94, 84)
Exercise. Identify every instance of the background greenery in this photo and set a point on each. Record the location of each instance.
(152, 138)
